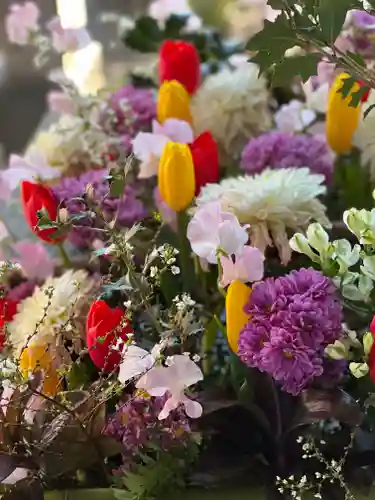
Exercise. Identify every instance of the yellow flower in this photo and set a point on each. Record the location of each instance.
(173, 102)
(237, 297)
(342, 120)
(176, 176)
(35, 358)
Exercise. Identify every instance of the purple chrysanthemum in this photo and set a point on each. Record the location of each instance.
(129, 208)
(292, 317)
(280, 150)
(130, 110)
(135, 424)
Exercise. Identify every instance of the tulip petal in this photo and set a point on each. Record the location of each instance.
(237, 297)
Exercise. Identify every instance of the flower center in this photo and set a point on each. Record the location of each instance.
(287, 354)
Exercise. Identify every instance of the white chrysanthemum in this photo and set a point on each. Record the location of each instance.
(272, 203)
(364, 137)
(69, 140)
(234, 107)
(46, 315)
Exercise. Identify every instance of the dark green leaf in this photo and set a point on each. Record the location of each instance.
(145, 36)
(276, 4)
(304, 66)
(274, 39)
(347, 86)
(117, 187)
(356, 97)
(332, 14)
(173, 26)
(356, 58)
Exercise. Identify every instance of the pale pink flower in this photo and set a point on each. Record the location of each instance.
(249, 267)
(21, 21)
(173, 379)
(30, 167)
(60, 102)
(294, 117)
(67, 39)
(211, 230)
(135, 362)
(34, 260)
(17, 475)
(4, 233)
(148, 146)
(316, 97)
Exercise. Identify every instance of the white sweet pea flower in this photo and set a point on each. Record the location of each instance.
(368, 266)
(136, 362)
(318, 238)
(181, 373)
(300, 244)
(345, 255)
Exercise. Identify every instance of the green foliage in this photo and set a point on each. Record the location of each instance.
(147, 36)
(157, 476)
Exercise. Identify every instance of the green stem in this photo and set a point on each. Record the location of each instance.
(64, 256)
(186, 261)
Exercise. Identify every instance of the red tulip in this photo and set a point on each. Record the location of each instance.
(180, 61)
(206, 160)
(371, 363)
(34, 197)
(104, 327)
(372, 327)
(8, 309)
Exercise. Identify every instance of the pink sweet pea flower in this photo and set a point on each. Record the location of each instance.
(21, 21)
(29, 168)
(34, 260)
(181, 373)
(148, 147)
(136, 361)
(67, 39)
(249, 267)
(211, 229)
(294, 117)
(60, 102)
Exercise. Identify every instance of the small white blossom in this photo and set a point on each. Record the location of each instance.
(153, 271)
(175, 270)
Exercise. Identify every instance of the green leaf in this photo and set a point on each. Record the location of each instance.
(356, 97)
(173, 26)
(347, 86)
(117, 187)
(276, 4)
(145, 36)
(304, 66)
(274, 39)
(332, 14)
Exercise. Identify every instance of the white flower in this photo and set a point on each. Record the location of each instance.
(271, 202)
(316, 98)
(364, 137)
(173, 379)
(136, 362)
(233, 106)
(43, 315)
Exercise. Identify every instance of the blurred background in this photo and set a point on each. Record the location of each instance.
(23, 88)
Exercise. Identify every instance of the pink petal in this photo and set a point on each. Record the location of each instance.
(17, 475)
(136, 361)
(60, 102)
(228, 271)
(193, 408)
(170, 405)
(178, 131)
(184, 371)
(253, 263)
(34, 260)
(146, 144)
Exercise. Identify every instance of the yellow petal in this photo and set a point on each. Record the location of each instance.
(342, 120)
(173, 102)
(176, 178)
(237, 297)
(37, 357)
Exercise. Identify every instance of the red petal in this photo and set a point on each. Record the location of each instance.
(371, 363)
(206, 160)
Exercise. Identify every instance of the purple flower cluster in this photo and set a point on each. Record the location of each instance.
(130, 110)
(361, 32)
(129, 208)
(293, 318)
(280, 150)
(136, 424)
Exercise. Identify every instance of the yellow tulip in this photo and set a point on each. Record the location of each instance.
(37, 357)
(237, 297)
(342, 120)
(176, 176)
(173, 102)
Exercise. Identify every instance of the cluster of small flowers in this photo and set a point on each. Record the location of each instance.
(167, 255)
(184, 302)
(293, 318)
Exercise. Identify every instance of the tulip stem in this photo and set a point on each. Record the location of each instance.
(186, 261)
(64, 256)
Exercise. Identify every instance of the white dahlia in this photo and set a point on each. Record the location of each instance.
(234, 107)
(272, 203)
(48, 316)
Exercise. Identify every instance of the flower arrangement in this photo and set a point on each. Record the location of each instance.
(201, 254)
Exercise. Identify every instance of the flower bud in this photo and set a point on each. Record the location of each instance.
(173, 102)
(342, 119)
(176, 178)
(237, 297)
